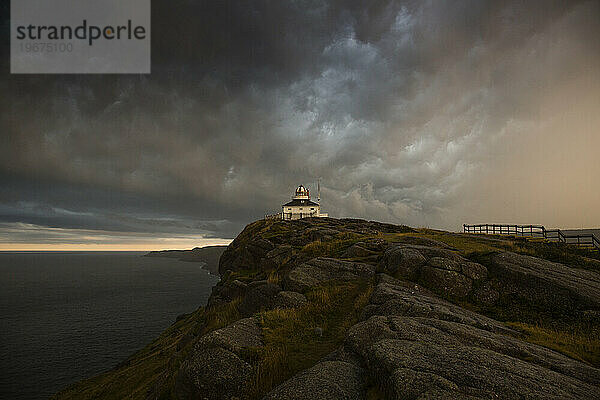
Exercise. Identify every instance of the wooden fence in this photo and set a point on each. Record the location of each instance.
(585, 239)
(273, 216)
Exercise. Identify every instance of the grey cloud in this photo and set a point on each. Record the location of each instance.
(400, 107)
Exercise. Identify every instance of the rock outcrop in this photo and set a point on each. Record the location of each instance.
(251, 249)
(411, 342)
(394, 297)
(326, 380)
(543, 281)
(215, 369)
(288, 299)
(260, 295)
(418, 346)
(438, 268)
(431, 348)
(322, 270)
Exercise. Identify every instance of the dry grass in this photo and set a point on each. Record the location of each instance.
(465, 244)
(581, 343)
(292, 342)
(331, 248)
(244, 275)
(320, 296)
(319, 248)
(219, 317)
(274, 277)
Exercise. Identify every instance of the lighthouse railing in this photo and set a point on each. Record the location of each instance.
(273, 216)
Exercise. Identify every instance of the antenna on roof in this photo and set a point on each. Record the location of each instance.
(319, 190)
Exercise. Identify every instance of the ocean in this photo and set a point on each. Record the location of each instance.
(595, 232)
(70, 315)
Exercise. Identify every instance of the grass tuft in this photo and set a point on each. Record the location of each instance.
(295, 339)
(274, 277)
(219, 317)
(581, 343)
(331, 248)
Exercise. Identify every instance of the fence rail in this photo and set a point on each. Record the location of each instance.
(586, 239)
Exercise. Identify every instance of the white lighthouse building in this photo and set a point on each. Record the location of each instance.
(301, 206)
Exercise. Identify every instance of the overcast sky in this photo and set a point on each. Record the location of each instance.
(426, 113)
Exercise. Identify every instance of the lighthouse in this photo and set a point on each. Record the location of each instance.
(301, 206)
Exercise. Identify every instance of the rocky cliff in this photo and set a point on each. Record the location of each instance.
(208, 255)
(351, 309)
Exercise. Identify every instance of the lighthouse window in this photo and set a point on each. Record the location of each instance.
(312, 208)
(300, 208)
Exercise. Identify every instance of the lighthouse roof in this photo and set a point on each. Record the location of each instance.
(300, 202)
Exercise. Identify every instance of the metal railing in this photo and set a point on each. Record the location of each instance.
(290, 216)
(585, 239)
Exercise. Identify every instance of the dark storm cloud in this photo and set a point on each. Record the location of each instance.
(402, 108)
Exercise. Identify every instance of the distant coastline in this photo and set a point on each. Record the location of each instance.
(209, 255)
